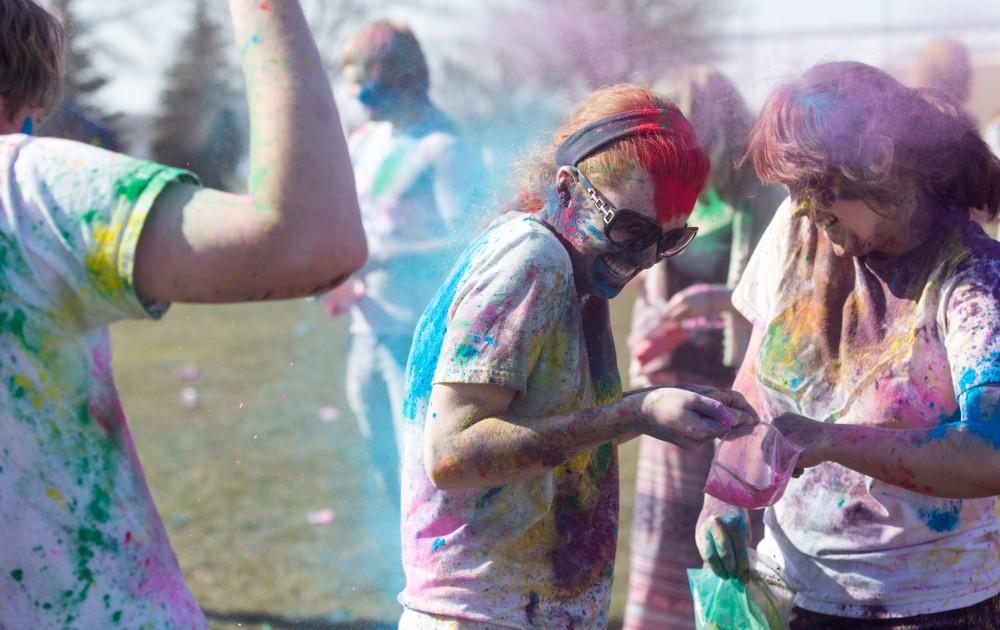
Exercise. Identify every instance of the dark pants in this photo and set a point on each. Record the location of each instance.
(982, 616)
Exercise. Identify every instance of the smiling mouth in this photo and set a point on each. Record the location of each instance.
(622, 272)
(826, 223)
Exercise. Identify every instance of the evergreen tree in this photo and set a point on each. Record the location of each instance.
(78, 116)
(197, 127)
(82, 81)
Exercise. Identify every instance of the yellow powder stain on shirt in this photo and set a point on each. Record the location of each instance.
(101, 261)
(56, 496)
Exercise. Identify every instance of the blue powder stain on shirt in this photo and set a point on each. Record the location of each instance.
(473, 349)
(941, 519)
(430, 332)
(980, 422)
(437, 544)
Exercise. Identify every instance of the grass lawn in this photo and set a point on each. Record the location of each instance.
(267, 504)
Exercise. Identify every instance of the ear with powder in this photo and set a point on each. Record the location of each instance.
(881, 151)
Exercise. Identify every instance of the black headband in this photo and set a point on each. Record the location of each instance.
(595, 136)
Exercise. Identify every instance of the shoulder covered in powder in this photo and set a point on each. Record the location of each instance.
(973, 292)
(521, 250)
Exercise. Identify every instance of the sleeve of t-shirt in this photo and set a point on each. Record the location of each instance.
(512, 297)
(80, 211)
(756, 293)
(972, 325)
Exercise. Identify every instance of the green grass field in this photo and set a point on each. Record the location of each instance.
(237, 476)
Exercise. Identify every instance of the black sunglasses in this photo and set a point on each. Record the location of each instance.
(633, 231)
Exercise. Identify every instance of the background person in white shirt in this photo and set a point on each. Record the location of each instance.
(418, 184)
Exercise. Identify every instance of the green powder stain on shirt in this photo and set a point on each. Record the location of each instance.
(132, 186)
(12, 322)
(387, 173)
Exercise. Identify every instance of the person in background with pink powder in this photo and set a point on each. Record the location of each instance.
(685, 330)
(88, 238)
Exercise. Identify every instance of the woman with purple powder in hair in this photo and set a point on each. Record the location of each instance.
(875, 302)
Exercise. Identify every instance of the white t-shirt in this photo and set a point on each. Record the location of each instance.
(888, 343)
(415, 186)
(81, 543)
(539, 553)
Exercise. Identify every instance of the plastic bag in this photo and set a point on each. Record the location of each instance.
(720, 603)
(723, 603)
(752, 468)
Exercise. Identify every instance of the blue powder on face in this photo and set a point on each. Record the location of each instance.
(437, 544)
(941, 519)
(28, 126)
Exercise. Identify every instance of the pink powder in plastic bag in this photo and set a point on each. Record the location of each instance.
(752, 468)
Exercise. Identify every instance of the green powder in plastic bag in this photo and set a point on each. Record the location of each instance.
(727, 604)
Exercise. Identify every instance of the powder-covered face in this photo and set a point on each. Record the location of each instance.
(379, 103)
(600, 267)
(853, 227)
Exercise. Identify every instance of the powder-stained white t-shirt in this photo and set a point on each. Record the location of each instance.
(417, 185)
(81, 543)
(538, 553)
(890, 343)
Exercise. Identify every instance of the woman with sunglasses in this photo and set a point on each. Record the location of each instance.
(684, 330)
(514, 404)
(875, 302)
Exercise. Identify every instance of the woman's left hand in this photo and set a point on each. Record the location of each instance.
(807, 433)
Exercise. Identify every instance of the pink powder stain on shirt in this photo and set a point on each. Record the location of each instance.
(162, 582)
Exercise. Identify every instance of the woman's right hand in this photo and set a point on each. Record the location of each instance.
(694, 416)
(723, 538)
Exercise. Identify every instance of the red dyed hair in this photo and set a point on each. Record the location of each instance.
(673, 159)
(845, 118)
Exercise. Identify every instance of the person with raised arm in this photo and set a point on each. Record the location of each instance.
(89, 237)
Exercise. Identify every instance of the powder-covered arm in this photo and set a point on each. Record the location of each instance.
(959, 458)
(471, 441)
(299, 230)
